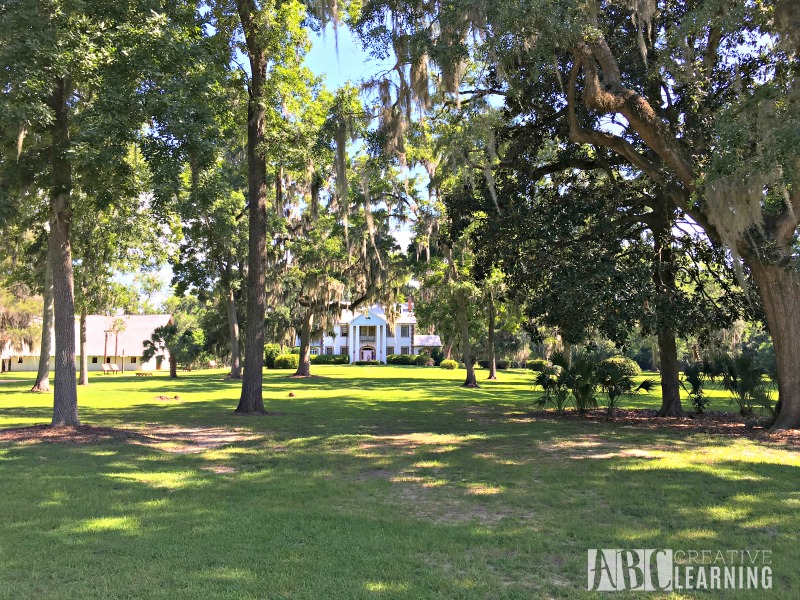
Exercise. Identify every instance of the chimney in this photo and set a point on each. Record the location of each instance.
(410, 305)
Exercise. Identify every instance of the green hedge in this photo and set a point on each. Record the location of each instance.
(270, 352)
(401, 359)
(448, 364)
(537, 364)
(620, 366)
(331, 359)
(287, 361)
(423, 360)
(500, 363)
(368, 362)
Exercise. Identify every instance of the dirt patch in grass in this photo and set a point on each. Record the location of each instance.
(83, 434)
(713, 423)
(375, 474)
(176, 440)
(596, 446)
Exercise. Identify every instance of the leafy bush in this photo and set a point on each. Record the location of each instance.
(331, 359)
(367, 362)
(448, 364)
(423, 360)
(619, 366)
(295, 350)
(286, 361)
(537, 364)
(694, 375)
(401, 359)
(270, 352)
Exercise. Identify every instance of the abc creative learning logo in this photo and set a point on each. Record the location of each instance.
(653, 570)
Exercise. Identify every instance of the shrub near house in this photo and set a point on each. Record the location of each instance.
(287, 361)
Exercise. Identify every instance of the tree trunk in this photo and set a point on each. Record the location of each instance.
(233, 329)
(43, 376)
(670, 381)
(251, 400)
(304, 365)
(173, 366)
(65, 397)
(448, 350)
(492, 361)
(84, 379)
(566, 351)
(780, 293)
(463, 321)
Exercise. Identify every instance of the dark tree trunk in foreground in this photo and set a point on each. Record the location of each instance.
(780, 292)
(233, 330)
(670, 381)
(251, 400)
(492, 360)
(65, 397)
(664, 282)
(463, 322)
(304, 364)
(173, 366)
(43, 375)
(84, 379)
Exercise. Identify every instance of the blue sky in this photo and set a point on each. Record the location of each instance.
(350, 63)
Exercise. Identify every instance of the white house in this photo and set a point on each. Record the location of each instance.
(114, 340)
(366, 335)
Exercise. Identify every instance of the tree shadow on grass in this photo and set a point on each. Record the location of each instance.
(334, 517)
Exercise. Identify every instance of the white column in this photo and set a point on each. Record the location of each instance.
(379, 348)
(355, 343)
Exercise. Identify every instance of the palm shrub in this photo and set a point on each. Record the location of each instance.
(580, 377)
(744, 379)
(695, 376)
(555, 393)
(616, 380)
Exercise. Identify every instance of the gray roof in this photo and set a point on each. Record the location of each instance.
(427, 340)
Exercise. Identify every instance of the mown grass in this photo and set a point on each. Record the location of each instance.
(372, 482)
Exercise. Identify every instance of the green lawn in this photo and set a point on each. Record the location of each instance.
(370, 482)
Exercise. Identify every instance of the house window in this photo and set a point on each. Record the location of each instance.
(389, 332)
(390, 349)
(314, 351)
(19, 360)
(94, 360)
(404, 350)
(108, 359)
(343, 329)
(344, 350)
(328, 350)
(405, 331)
(133, 360)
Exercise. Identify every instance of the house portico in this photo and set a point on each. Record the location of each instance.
(367, 335)
(368, 331)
